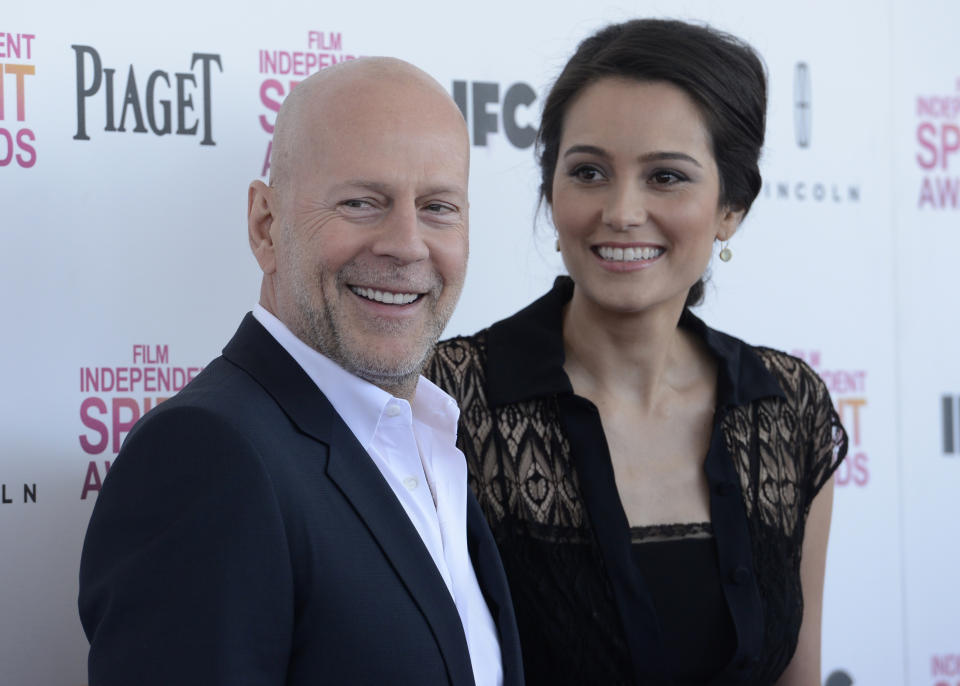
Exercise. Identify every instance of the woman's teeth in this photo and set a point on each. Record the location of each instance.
(628, 254)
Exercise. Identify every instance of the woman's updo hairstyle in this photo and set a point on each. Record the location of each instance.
(721, 73)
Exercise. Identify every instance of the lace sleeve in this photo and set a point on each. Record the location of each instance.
(827, 438)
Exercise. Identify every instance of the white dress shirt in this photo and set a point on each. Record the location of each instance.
(414, 447)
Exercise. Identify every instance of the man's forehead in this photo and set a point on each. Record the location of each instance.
(353, 109)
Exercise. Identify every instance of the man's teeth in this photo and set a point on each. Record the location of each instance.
(628, 254)
(385, 296)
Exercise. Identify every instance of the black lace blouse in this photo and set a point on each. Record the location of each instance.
(541, 470)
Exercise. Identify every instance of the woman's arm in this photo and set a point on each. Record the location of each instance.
(804, 668)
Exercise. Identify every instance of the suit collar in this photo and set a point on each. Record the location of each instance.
(525, 355)
(255, 351)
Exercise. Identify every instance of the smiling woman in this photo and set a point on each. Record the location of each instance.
(636, 190)
(660, 491)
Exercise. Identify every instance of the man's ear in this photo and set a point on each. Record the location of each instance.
(730, 218)
(260, 221)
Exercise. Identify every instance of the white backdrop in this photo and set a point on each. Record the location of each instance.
(127, 251)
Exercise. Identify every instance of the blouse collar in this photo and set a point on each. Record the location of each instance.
(525, 355)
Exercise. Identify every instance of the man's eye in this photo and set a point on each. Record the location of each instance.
(356, 203)
(438, 208)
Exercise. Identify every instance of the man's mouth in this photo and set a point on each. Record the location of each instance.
(638, 254)
(386, 297)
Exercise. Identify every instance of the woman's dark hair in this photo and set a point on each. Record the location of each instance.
(721, 73)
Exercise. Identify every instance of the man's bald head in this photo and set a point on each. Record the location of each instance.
(362, 235)
(369, 86)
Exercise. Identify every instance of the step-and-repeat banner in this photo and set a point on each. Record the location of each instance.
(128, 138)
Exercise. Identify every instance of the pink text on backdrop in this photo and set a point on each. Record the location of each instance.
(848, 388)
(16, 142)
(938, 150)
(116, 397)
(323, 50)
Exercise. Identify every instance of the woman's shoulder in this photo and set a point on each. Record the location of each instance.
(459, 352)
(456, 361)
(801, 385)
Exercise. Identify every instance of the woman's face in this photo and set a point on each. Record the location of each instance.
(636, 194)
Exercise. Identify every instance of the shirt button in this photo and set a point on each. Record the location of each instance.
(393, 410)
(411, 483)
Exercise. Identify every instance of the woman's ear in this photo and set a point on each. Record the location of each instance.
(730, 218)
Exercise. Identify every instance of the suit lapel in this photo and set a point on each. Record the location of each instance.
(357, 477)
(493, 585)
(362, 484)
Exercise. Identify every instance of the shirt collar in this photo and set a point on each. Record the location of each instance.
(358, 402)
(525, 355)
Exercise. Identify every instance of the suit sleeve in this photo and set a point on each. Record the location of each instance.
(185, 576)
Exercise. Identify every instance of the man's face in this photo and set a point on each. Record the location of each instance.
(371, 235)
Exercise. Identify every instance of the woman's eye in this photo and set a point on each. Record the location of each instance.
(666, 177)
(586, 173)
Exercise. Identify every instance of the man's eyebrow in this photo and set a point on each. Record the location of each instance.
(648, 157)
(375, 186)
(385, 189)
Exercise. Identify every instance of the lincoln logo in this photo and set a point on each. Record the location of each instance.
(951, 414)
(801, 104)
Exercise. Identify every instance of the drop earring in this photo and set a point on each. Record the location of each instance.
(726, 254)
(557, 245)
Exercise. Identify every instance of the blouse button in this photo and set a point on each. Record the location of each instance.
(740, 575)
(724, 488)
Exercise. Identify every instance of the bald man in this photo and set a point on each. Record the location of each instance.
(299, 513)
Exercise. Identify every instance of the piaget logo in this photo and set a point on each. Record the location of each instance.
(180, 102)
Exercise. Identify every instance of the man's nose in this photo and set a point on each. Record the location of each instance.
(625, 207)
(402, 236)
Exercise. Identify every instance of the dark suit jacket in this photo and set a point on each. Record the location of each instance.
(243, 536)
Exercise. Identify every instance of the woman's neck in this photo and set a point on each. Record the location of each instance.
(638, 357)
